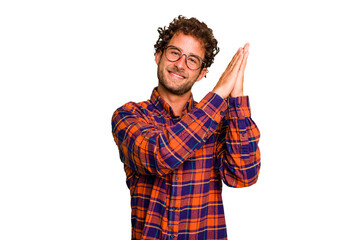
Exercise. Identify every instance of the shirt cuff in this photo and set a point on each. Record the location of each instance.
(239, 107)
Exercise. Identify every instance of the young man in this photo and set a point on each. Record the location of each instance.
(177, 152)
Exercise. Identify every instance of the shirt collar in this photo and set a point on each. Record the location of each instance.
(165, 108)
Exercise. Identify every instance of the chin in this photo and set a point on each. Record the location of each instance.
(176, 90)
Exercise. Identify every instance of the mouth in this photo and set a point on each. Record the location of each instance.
(176, 75)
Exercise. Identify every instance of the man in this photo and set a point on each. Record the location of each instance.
(177, 152)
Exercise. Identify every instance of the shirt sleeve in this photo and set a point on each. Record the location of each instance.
(150, 150)
(237, 149)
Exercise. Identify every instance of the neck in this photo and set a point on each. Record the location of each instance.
(176, 102)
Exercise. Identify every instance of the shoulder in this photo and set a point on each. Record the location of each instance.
(132, 108)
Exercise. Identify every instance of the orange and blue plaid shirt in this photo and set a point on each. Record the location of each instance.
(175, 165)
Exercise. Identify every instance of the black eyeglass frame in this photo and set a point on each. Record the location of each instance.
(186, 59)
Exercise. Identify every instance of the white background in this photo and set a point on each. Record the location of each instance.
(65, 66)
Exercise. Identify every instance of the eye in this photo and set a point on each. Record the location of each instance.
(194, 60)
(174, 51)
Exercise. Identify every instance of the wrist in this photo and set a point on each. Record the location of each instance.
(218, 92)
(237, 94)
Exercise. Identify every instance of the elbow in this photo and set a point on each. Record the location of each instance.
(241, 178)
(168, 165)
(251, 174)
(251, 182)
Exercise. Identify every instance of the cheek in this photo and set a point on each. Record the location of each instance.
(195, 76)
(161, 64)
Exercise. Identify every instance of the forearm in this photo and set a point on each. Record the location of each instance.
(240, 153)
(149, 149)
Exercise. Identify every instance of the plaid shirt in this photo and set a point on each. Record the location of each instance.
(175, 166)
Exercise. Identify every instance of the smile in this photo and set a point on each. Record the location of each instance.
(176, 75)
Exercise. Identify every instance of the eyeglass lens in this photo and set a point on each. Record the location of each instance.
(192, 61)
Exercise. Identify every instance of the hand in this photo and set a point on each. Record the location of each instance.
(238, 88)
(231, 81)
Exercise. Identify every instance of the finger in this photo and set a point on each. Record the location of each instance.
(234, 59)
(238, 60)
(246, 47)
(244, 62)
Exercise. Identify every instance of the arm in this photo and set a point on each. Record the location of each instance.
(148, 149)
(237, 149)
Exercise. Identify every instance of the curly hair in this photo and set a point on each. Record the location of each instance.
(192, 27)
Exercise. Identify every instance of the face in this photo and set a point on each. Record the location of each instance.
(176, 77)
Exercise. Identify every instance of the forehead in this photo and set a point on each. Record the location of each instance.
(188, 44)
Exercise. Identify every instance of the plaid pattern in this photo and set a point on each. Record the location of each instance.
(175, 166)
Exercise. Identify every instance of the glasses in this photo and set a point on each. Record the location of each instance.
(193, 62)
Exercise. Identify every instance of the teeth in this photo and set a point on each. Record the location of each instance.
(177, 75)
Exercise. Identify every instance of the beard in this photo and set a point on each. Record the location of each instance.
(178, 89)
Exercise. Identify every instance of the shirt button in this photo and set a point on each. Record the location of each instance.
(176, 178)
(238, 105)
(172, 236)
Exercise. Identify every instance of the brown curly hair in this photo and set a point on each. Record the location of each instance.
(192, 27)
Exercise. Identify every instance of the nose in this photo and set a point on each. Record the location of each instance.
(181, 63)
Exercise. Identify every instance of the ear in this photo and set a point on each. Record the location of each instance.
(202, 74)
(158, 56)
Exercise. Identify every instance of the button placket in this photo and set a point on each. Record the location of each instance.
(174, 208)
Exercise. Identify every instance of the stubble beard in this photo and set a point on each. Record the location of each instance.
(180, 90)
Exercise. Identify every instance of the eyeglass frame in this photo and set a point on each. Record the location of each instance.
(186, 59)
